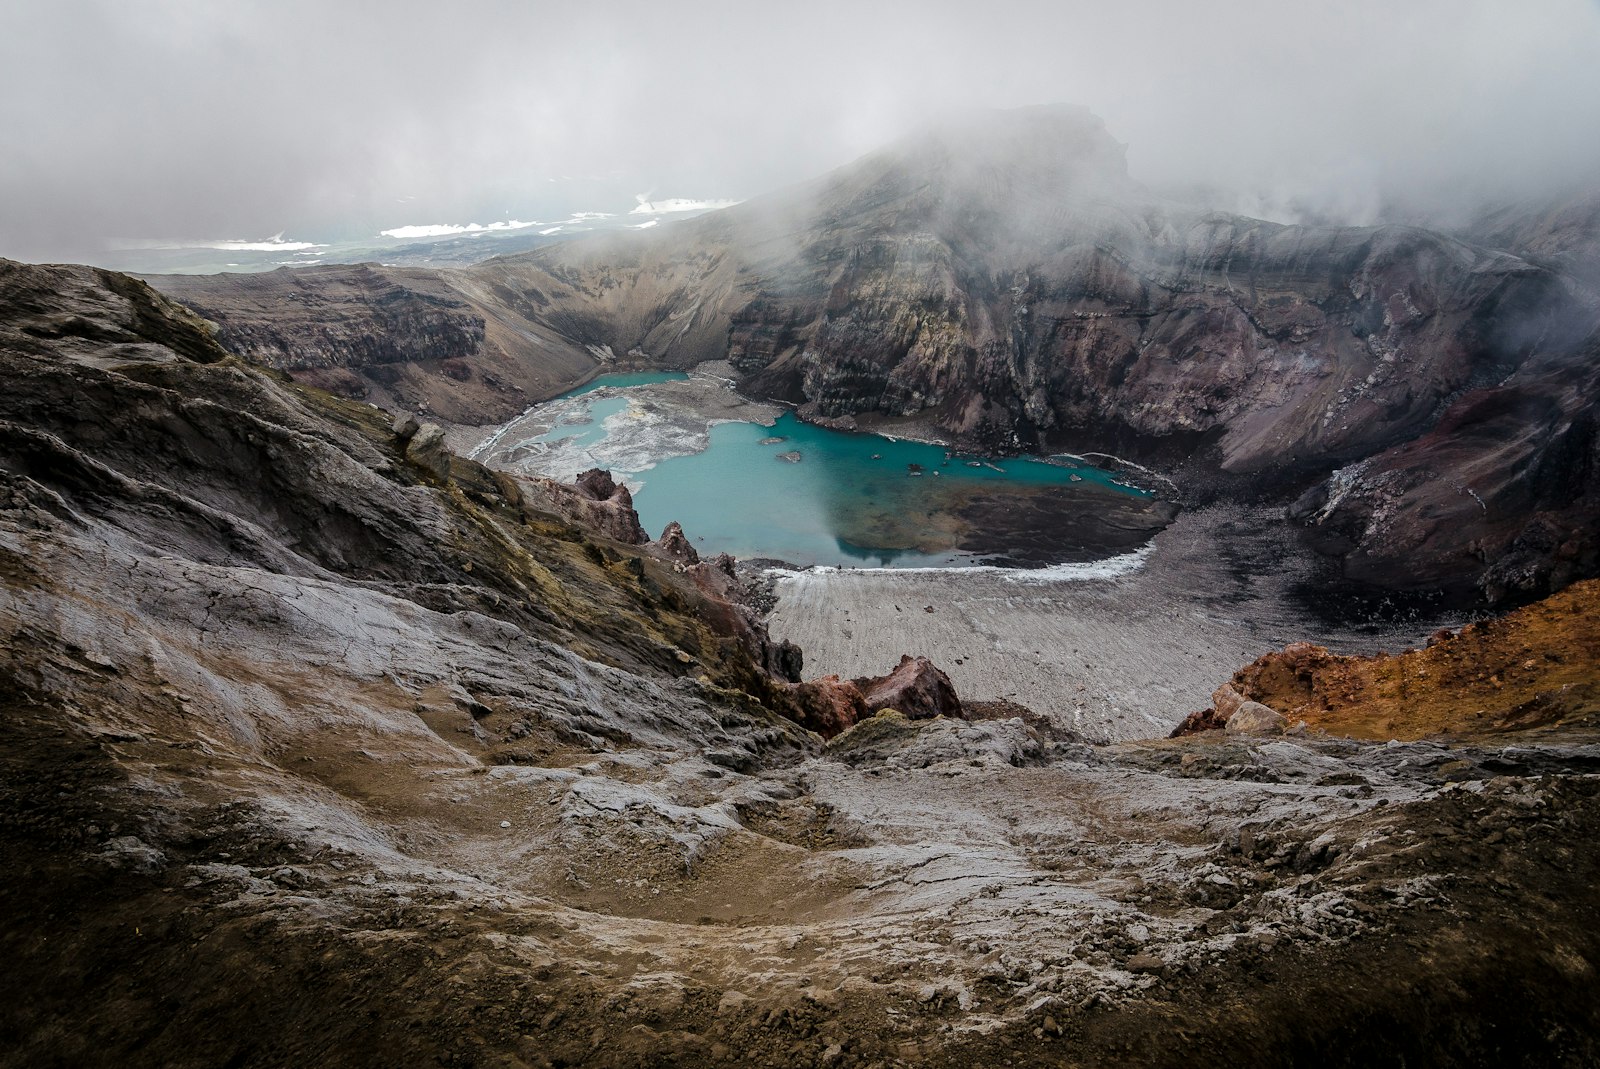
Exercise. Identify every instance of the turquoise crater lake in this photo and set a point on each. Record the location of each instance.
(809, 495)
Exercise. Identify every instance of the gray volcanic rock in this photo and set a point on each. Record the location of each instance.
(316, 752)
(97, 316)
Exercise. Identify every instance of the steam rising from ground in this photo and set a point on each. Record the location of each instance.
(156, 117)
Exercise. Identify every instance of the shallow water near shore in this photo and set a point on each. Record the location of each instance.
(809, 495)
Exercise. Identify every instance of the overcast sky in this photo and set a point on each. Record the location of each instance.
(177, 119)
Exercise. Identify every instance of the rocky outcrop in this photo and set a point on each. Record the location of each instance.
(1196, 722)
(412, 339)
(93, 315)
(1225, 700)
(915, 688)
(828, 705)
(1562, 233)
(339, 317)
(1501, 496)
(1232, 711)
(599, 502)
(729, 603)
(121, 415)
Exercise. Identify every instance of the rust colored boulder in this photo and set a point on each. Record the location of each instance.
(675, 544)
(828, 705)
(916, 688)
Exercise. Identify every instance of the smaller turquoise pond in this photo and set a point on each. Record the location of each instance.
(808, 495)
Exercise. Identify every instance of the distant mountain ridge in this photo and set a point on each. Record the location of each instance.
(1003, 281)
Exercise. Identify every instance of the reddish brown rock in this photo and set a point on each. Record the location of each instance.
(916, 688)
(828, 705)
(1195, 723)
(675, 544)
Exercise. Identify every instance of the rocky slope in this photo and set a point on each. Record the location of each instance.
(1003, 282)
(1563, 234)
(320, 744)
(405, 338)
(1502, 492)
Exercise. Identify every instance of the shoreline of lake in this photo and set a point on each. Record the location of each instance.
(1118, 652)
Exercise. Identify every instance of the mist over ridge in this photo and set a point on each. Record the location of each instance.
(184, 121)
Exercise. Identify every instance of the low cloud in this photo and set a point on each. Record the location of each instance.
(140, 118)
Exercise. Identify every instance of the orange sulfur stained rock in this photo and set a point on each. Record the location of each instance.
(1536, 666)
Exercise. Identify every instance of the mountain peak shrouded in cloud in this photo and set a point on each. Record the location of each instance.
(129, 120)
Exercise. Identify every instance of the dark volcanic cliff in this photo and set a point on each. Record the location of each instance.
(1005, 281)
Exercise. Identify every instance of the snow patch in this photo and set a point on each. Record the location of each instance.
(439, 230)
(647, 206)
(1086, 571)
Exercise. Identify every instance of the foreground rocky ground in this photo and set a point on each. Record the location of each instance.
(319, 745)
